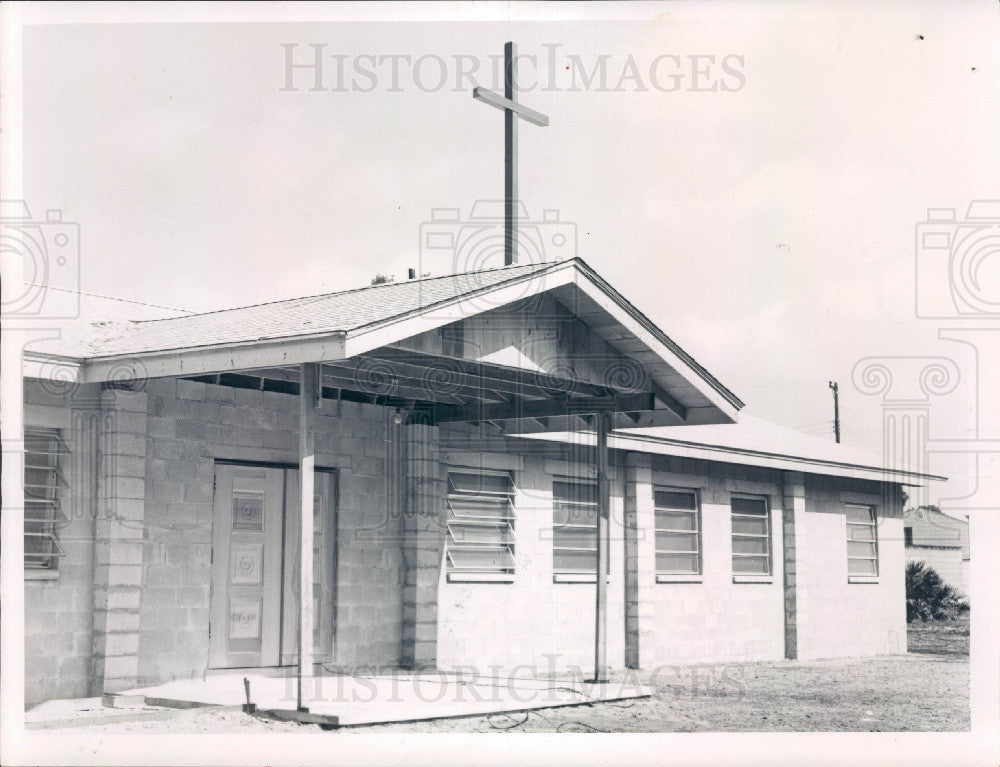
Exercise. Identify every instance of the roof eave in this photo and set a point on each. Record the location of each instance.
(196, 360)
(641, 318)
(724, 454)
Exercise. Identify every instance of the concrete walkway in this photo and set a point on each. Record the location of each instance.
(345, 701)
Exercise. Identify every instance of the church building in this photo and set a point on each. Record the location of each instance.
(487, 469)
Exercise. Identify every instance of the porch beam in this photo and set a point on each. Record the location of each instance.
(555, 406)
(289, 384)
(309, 401)
(496, 375)
(401, 384)
(631, 419)
(348, 378)
(472, 381)
(221, 358)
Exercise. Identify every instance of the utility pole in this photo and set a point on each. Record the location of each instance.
(836, 411)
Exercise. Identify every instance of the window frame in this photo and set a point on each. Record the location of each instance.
(563, 575)
(456, 573)
(667, 576)
(51, 497)
(872, 510)
(768, 537)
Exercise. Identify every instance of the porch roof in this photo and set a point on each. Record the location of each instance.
(266, 340)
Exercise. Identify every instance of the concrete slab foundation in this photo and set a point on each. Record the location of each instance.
(346, 701)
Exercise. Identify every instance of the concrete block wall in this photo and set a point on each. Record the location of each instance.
(849, 619)
(793, 509)
(717, 619)
(191, 424)
(640, 560)
(58, 620)
(533, 619)
(118, 540)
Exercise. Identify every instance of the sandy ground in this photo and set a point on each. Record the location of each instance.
(925, 690)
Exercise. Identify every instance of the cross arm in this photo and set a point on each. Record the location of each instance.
(498, 101)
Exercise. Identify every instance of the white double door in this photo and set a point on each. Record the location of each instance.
(255, 566)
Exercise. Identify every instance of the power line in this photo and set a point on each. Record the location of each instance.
(109, 298)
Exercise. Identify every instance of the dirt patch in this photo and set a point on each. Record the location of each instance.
(924, 690)
(897, 693)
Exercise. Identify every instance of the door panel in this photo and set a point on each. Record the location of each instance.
(324, 520)
(245, 620)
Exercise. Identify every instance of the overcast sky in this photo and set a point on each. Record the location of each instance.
(766, 225)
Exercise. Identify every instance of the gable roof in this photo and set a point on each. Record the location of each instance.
(754, 441)
(347, 323)
(341, 311)
(96, 316)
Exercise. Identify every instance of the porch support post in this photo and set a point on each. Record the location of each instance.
(308, 400)
(603, 421)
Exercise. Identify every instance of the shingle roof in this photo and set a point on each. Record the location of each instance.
(753, 441)
(345, 310)
(752, 433)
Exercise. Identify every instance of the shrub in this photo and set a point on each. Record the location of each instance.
(928, 597)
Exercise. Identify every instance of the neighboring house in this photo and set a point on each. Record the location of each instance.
(455, 494)
(941, 541)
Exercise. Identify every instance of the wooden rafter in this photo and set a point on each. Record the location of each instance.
(501, 377)
(554, 406)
